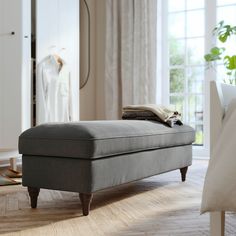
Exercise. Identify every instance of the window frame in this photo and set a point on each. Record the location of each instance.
(210, 22)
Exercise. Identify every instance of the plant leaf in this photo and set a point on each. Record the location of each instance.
(230, 62)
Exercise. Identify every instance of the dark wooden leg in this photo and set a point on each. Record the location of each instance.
(33, 193)
(183, 172)
(86, 199)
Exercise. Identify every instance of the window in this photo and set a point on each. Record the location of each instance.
(226, 11)
(185, 65)
(186, 36)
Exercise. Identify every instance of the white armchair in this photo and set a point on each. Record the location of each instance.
(220, 96)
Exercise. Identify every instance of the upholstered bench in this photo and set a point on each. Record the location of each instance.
(86, 157)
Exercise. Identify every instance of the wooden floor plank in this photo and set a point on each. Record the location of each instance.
(160, 205)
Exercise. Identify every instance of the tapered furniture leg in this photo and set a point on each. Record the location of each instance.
(33, 193)
(217, 223)
(13, 163)
(86, 199)
(183, 172)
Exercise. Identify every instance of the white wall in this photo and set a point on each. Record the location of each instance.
(88, 93)
(92, 95)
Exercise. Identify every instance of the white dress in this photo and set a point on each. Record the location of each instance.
(53, 91)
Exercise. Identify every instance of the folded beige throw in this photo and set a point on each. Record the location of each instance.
(164, 114)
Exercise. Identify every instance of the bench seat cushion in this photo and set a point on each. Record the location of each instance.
(98, 139)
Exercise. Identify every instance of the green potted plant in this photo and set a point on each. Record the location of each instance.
(223, 32)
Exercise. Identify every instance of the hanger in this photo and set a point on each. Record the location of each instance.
(58, 59)
(56, 56)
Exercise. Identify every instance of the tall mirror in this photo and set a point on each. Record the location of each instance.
(84, 43)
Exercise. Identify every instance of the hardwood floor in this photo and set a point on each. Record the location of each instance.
(160, 205)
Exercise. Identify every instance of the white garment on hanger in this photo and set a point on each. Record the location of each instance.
(53, 92)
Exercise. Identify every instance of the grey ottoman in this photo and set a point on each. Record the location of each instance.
(86, 157)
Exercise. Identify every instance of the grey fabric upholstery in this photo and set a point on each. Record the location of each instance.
(99, 139)
(86, 176)
(86, 157)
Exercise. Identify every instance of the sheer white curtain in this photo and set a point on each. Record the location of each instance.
(130, 67)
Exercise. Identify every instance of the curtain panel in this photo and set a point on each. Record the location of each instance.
(130, 56)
